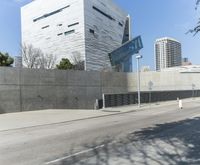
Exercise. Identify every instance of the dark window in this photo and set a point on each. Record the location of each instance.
(59, 24)
(120, 24)
(69, 32)
(59, 34)
(51, 13)
(106, 15)
(45, 27)
(92, 31)
(73, 24)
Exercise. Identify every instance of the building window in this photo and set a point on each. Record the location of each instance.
(92, 31)
(59, 34)
(120, 24)
(59, 24)
(69, 32)
(106, 15)
(51, 13)
(44, 27)
(73, 24)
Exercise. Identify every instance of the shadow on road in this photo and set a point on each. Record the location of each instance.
(176, 143)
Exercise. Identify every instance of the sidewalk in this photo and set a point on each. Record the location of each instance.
(20, 120)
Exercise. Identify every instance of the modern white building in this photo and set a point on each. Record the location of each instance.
(89, 29)
(167, 53)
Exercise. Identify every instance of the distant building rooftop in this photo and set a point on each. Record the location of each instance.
(166, 38)
(184, 69)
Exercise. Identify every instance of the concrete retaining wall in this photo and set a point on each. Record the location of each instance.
(164, 81)
(34, 89)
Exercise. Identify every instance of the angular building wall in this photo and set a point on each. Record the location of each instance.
(104, 28)
(54, 26)
(66, 28)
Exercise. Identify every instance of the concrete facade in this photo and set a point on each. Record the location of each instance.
(89, 29)
(34, 89)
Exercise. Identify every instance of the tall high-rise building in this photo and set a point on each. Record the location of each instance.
(89, 29)
(167, 53)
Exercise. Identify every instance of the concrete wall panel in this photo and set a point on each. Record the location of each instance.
(30, 76)
(9, 98)
(38, 97)
(78, 97)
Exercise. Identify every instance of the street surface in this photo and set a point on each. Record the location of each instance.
(152, 136)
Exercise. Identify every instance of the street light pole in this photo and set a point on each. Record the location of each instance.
(138, 78)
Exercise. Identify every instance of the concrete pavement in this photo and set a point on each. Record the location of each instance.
(45, 117)
(109, 139)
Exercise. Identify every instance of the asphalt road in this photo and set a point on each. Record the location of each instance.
(164, 135)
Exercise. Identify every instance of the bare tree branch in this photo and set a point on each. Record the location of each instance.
(77, 61)
(35, 58)
(196, 29)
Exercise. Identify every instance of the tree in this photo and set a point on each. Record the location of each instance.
(5, 59)
(196, 29)
(78, 63)
(35, 58)
(197, 3)
(65, 64)
(47, 61)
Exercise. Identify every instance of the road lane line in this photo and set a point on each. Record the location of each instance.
(75, 154)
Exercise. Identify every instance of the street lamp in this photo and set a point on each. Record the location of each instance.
(138, 57)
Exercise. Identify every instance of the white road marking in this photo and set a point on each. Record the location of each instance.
(75, 154)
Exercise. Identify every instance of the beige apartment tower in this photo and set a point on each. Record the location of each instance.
(167, 53)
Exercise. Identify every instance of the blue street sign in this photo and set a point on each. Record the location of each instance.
(126, 50)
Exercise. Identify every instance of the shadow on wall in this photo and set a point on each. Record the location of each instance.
(174, 143)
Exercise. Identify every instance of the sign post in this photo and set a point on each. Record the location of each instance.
(150, 85)
(193, 89)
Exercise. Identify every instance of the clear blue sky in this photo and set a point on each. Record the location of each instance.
(150, 18)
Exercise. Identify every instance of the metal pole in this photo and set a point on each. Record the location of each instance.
(150, 84)
(138, 81)
(193, 91)
(150, 96)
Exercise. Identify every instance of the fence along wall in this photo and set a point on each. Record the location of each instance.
(34, 89)
(113, 100)
(164, 86)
